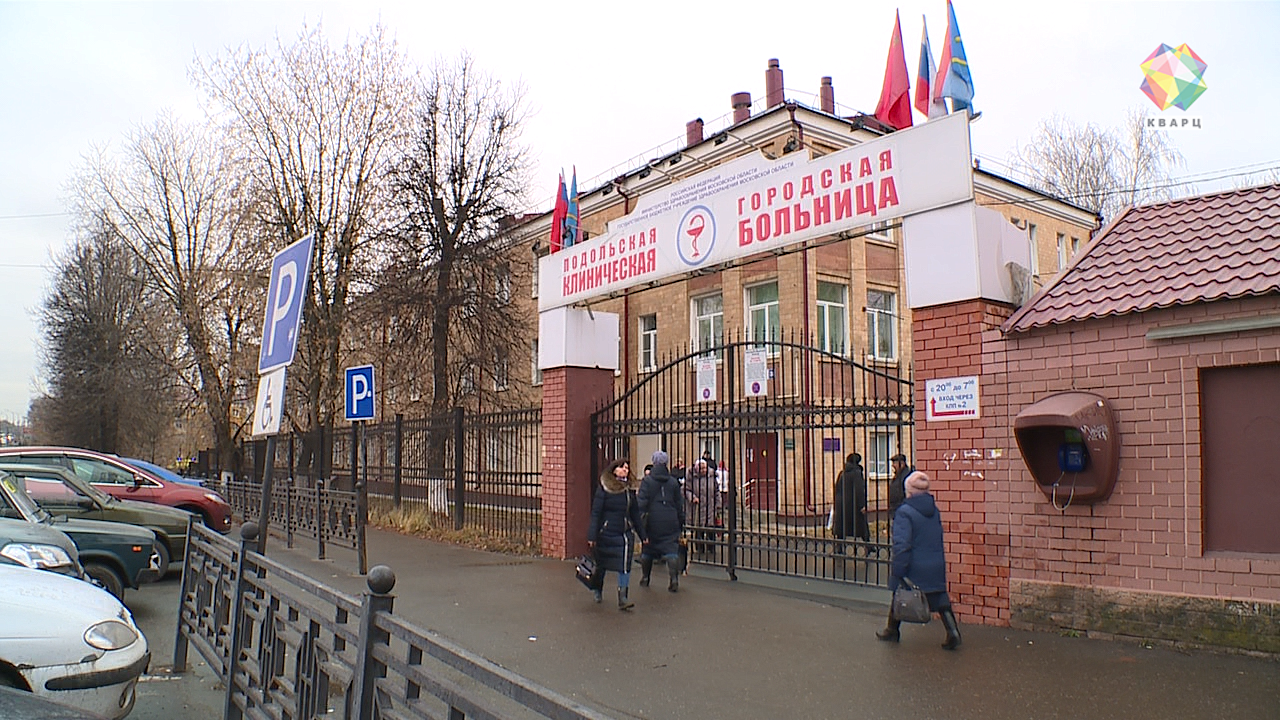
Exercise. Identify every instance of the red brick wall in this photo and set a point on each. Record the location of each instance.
(569, 396)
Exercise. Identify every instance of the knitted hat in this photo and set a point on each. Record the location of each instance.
(660, 457)
(916, 483)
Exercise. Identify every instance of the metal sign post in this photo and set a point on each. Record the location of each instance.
(281, 322)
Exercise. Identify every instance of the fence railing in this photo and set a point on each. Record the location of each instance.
(287, 646)
(472, 470)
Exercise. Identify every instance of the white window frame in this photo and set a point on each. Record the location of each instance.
(502, 284)
(501, 373)
(536, 372)
(714, 322)
(771, 311)
(1035, 248)
(1062, 252)
(534, 274)
(879, 468)
(877, 318)
(647, 326)
(825, 309)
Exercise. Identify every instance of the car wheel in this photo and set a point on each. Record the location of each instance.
(106, 578)
(163, 551)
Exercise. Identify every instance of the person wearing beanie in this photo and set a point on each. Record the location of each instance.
(918, 554)
(615, 512)
(662, 512)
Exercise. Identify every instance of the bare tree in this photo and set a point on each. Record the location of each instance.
(172, 199)
(107, 387)
(1100, 169)
(448, 284)
(317, 126)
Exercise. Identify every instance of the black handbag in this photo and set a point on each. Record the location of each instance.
(910, 604)
(585, 571)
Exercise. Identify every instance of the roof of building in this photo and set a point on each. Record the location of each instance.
(1211, 247)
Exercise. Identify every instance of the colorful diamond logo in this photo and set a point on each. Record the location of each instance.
(1174, 76)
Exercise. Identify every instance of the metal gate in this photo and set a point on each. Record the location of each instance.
(779, 419)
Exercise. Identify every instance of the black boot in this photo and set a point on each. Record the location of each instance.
(673, 570)
(891, 633)
(646, 567)
(953, 629)
(623, 602)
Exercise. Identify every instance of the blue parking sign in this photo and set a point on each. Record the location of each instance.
(289, 273)
(360, 393)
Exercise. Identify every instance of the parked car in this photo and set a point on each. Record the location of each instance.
(114, 555)
(39, 548)
(122, 480)
(68, 641)
(62, 492)
(164, 473)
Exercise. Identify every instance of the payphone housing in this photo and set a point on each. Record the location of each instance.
(1070, 443)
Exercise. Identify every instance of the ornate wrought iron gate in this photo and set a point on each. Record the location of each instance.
(781, 417)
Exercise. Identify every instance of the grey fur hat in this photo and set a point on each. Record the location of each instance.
(660, 457)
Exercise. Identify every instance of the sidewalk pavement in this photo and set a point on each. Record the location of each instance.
(768, 647)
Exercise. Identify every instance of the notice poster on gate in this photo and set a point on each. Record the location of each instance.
(755, 373)
(707, 378)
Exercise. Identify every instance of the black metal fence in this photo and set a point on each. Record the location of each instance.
(778, 418)
(286, 646)
(467, 470)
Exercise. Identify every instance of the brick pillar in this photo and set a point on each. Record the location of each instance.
(566, 455)
(968, 459)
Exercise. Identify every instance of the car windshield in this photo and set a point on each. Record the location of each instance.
(75, 484)
(160, 472)
(17, 495)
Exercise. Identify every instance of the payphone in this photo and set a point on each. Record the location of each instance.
(1070, 443)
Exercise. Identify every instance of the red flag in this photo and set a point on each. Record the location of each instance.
(895, 95)
(558, 215)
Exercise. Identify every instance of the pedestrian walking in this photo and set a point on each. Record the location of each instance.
(702, 504)
(918, 555)
(849, 508)
(662, 520)
(615, 512)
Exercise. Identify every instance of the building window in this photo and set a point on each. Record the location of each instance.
(764, 323)
(1035, 249)
(880, 232)
(502, 284)
(534, 275)
(648, 343)
(501, 379)
(881, 445)
(708, 323)
(833, 325)
(536, 374)
(1063, 252)
(882, 328)
(1075, 246)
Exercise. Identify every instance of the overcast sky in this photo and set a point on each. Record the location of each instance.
(609, 83)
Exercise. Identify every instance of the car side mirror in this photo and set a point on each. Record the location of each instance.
(137, 481)
(85, 503)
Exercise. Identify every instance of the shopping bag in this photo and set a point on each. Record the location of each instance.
(585, 571)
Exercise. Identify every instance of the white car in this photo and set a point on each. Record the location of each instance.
(69, 641)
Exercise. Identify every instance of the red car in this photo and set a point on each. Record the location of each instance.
(120, 479)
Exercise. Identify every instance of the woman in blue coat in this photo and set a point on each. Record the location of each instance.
(918, 554)
(614, 514)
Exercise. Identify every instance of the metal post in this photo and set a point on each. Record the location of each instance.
(180, 639)
(459, 483)
(288, 501)
(264, 514)
(362, 502)
(395, 487)
(248, 532)
(731, 552)
(355, 450)
(379, 599)
(320, 517)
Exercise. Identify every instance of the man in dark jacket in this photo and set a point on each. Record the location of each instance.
(898, 491)
(919, 555)
(662, 509)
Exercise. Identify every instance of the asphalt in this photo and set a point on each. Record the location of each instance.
(766, 647)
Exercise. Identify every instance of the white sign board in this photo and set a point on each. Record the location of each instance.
(755, 372)
(270, 405)
(951, 399)
(706, 378)
(754, 204)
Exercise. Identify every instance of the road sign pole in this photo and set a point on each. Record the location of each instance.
(264, 514)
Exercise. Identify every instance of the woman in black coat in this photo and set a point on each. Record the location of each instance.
(918, 555)
(614, 514)
(662, 507)
(849, 504)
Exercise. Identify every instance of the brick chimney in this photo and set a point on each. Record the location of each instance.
(827, 97)
(693, 132)
(741, 106)
(773, 84)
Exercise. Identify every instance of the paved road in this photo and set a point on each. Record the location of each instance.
(195, 695)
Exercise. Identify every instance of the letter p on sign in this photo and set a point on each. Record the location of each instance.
(289, 272)
(360, 393)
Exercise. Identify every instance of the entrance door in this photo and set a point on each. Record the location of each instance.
(760, 491)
